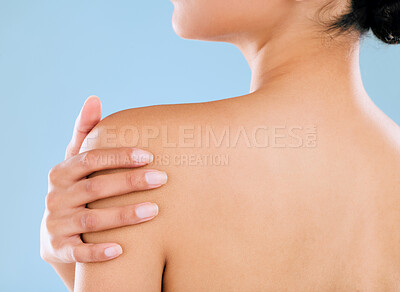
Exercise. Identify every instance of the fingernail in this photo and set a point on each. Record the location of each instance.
(141, 156)
(146, 210)
(113, 251)
(156, 178)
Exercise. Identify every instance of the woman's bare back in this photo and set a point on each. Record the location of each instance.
(264, 194)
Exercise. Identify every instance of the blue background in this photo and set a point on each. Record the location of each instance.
(53, 54)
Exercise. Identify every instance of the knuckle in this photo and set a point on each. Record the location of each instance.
(90, 159)
(55, 243)
(92, 254)
(83, 254)
(50, 225)
(92, 186)
(126, 215)
(127, 154)
(51, 201)
(76, 255)
(88, 221)
(53, 174)
(85, 159)
(130, 180)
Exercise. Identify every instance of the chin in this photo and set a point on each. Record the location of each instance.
(178, 28)
(194, 27)
(184, 28)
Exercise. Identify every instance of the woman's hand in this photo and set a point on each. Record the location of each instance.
(66, 215)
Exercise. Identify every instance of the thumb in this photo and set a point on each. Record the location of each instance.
(87, 119)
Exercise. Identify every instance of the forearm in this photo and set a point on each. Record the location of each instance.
(66, 273)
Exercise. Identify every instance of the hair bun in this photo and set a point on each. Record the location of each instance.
(384, 20)
(381, 16)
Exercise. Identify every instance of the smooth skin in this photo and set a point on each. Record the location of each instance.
(283, 216)
(322, 218)
(66, 216)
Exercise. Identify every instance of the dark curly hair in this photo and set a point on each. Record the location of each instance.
(381, 16)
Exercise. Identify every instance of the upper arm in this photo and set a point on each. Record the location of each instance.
(140, 267)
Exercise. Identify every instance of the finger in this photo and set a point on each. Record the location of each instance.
(92, 220)
(84, 164)
(89, 117)
(109, 185)
(89, 253)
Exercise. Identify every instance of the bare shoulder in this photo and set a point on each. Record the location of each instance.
(365, 156)
(143, 261)
(172, 133)
(167, 132)
(144, 127)
(382, 139)
(156, 129)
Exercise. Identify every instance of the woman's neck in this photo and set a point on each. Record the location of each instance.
(304, 64)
